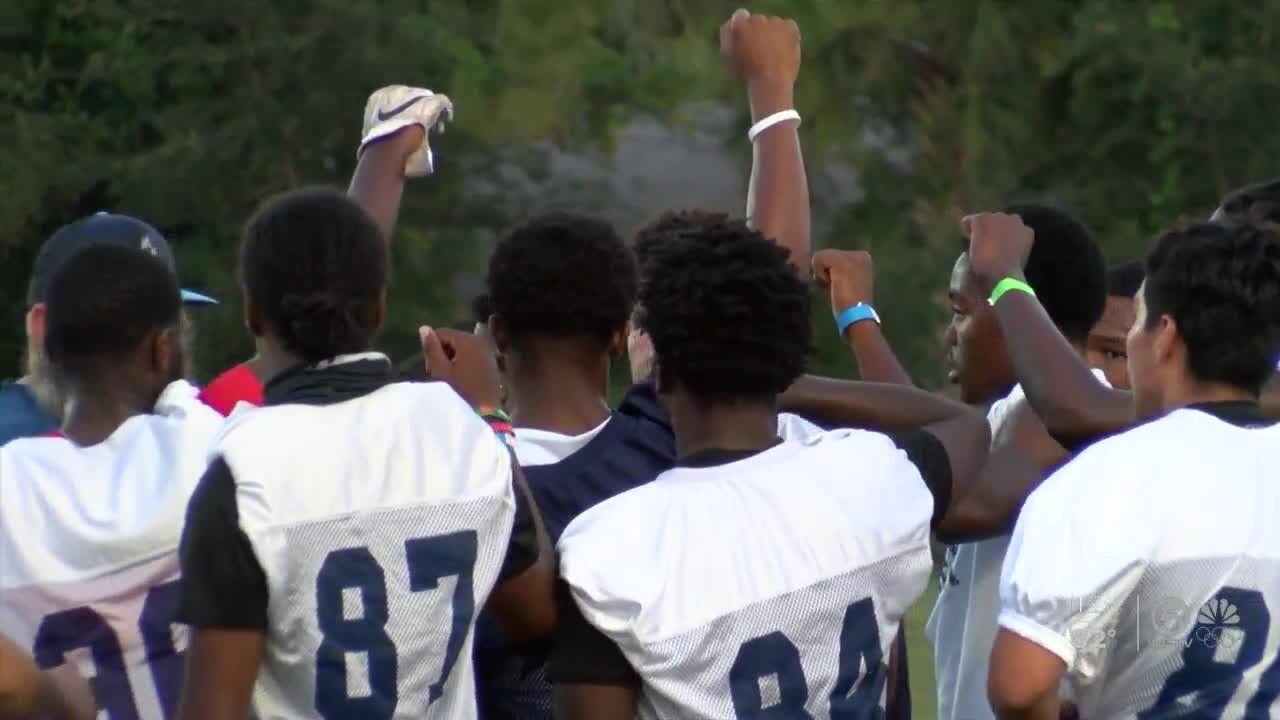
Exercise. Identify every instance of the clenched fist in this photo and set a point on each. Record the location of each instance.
(759, 47)
(847, 274)
(999, 245)
(465, 362)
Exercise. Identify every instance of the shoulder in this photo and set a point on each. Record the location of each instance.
(1110, 467)
(608, 549)
(417, 444)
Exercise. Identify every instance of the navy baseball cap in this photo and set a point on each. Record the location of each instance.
(102, 228)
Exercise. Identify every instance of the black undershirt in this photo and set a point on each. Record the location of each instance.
(223, 584)
(1241, 413)
(582, 654)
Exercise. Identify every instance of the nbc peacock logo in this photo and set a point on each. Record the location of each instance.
(1217, 625)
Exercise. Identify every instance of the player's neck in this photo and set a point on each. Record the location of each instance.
(562, 395)
(92, 416)
(729, 426)
(272, 360)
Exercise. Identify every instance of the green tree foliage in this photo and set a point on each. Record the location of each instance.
(188, 113)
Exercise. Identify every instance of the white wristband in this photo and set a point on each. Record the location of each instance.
(770, 121)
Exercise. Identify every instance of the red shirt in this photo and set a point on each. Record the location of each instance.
(233, 386)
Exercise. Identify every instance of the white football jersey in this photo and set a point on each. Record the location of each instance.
(381, 524)
(1151, 565)
(773, 582)
(962, 626)
(88, 551)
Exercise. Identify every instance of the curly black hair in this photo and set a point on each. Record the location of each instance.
(1221, 285)
(314, 265)
(727, 312)
(102, 302)
(562, 275)
(1124, 280)
(1253, 203)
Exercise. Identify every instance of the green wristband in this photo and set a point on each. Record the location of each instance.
(1005, 286)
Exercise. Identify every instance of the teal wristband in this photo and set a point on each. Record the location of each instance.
(1006, 285)
(855, 314)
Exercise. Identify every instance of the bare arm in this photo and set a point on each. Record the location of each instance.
(222, 667)
(877, 406)
(1023, 681)
(1075, 407)
(1022, 455)
(967, 441)
(873, 355)
(891, 709)
(1270, 399)
(378, 182)
(26, 691)
(580, 701)
(524, 603)
(850, 278)
(778, 196)
(765, 53)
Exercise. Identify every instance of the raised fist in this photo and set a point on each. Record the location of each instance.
(392, 109)
(759, 47)
(999, 244)
(640, 354)
(847, 274)
(465, 362)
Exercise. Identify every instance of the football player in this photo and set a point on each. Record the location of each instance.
(347, 533)
(91, 519)
(758, 574)
(1156, 604)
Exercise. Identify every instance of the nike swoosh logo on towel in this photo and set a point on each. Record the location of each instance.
(388, 114)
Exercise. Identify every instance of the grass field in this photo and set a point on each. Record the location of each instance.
(924, 700)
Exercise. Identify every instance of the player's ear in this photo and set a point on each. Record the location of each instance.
(35, 324)
(252, 322)
(164, 352)
(618, 340)
(1167, 341)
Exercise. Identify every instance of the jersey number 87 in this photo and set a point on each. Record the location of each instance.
(429, 560)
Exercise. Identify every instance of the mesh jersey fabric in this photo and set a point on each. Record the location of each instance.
(88, 550)
(780, 579)
(1162, 603)
(962, 625)
(381, 524)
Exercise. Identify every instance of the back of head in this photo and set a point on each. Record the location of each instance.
(1221, 285)
(102, 304)
(1124, 280)
(727, 313)
(1066, 269)
(1254, 203)
(562, 275)
(314, 268)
